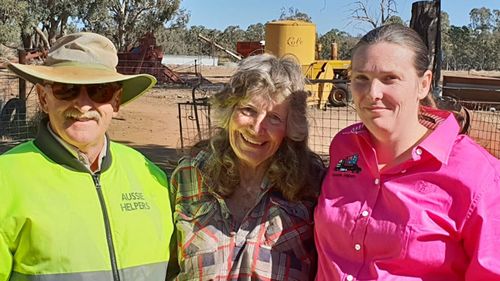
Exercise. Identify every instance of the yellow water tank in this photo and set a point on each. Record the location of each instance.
(290, 37)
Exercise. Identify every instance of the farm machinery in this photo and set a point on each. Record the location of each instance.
(146, 57)
(327, 79)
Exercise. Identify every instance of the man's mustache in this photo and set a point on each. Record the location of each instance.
(76, 114)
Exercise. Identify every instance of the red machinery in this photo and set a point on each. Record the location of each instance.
(249, 48)
(147, 57)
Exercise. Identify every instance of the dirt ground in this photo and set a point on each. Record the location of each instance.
(150, 124)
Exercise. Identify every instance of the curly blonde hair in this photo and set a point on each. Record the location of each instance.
(295, 171)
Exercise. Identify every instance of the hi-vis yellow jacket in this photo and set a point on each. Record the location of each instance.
(59, 222)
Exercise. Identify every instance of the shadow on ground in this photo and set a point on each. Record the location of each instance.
(166, 158)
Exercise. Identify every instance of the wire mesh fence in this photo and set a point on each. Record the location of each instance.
(194, 122)
(485, 124)
(194, 116)
(18, 118)
(17, 115)
(327, 121)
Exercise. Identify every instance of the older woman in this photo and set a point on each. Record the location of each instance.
(244, 202)
(406, 197)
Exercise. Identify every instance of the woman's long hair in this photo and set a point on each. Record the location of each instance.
(294, 170)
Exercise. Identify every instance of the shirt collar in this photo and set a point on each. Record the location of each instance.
(82, 157)
(440, 141)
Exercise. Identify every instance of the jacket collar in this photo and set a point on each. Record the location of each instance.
(53, 149)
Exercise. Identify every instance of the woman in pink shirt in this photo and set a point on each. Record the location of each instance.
(406, 196)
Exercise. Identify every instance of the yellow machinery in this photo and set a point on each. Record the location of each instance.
(327, 78)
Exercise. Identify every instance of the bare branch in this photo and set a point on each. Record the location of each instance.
(361, 13)
(382, 11)
(386, 10)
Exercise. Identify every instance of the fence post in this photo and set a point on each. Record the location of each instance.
(180, 124)
(425, 20)
(21, 114)
(21, 53)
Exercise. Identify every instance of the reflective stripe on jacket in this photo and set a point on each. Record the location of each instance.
(58, 222)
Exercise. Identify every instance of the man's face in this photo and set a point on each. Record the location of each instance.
(80, 114)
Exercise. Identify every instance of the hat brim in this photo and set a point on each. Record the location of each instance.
(133, 85)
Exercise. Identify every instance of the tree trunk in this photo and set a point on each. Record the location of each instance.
(46, 44)
(425, 19)
(26, 39)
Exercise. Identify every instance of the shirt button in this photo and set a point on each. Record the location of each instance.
(357, 247)
(377, 181)
(403, 171)
(349, 278)
(418, 151)
(365, 213)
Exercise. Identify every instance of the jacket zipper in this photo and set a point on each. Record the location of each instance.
(109, 238)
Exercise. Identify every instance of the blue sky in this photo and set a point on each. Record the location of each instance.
(326, 14)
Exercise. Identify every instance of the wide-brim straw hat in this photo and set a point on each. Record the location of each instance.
(84, 58)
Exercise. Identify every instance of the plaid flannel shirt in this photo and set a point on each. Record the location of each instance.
(273, 242)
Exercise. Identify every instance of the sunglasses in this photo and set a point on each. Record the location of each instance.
(99, 93)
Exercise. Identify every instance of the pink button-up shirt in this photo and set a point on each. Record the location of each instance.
(434, 217)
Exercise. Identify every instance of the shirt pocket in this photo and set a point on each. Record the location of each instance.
(428, 248)
(288, 241)
(196, 232)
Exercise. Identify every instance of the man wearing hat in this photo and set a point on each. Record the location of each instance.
(73, 204)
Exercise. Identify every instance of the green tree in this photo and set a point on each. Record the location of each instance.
(486, 50)
(55, 16)
(230, 36)
(94, 16)
(42, 21)
(446, 43)
(30, 18)
(11, 13)
(496, 14)
(484, 35)
(462, 52)
(475, 46)
(394, 19)
(131, 19)
(204, 48)
(172, 41)
(255, 32)
(344, 44)
(294, 14)
(481, 19)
